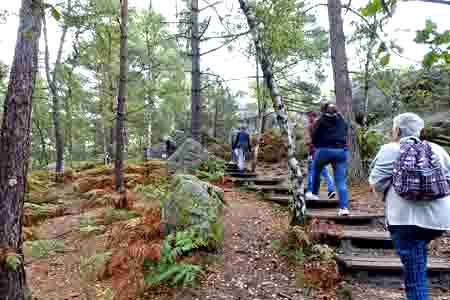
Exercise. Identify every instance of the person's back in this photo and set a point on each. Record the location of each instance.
(242, 141)
(330, 131)
(399, 211)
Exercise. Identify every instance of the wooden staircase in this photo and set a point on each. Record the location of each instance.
(365, 249)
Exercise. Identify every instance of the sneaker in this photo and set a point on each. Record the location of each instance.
(331, 195)
(311, 196)
(343, 212)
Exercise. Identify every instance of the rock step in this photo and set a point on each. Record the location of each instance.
(355, 217)
(353, 263)
(259, 180)
(323, 202)
(242, 174)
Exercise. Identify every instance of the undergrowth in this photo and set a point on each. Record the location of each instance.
(113, 215)
(211, 170)
(42, 248)
(170, 268)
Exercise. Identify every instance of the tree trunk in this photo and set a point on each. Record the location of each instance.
(298, 206)
(53, 87)
(260, 125)
(195, 74)
(44, 156)
(343, 87)
(15, 143)
(121, 101)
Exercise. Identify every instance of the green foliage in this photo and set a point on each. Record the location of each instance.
(13, 261)
(42, 248)
(113, 215)
(369, 142)
(95, 263)
(211, 170)
(439, 43)
(169, 268)
(151, 192)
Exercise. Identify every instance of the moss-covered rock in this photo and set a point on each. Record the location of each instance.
(187, 158)
(197, 205)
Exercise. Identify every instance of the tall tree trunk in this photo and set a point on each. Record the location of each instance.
(298, 206)
(53, 87)
(195, 74)
(44, 156)
(121, 101)
(15, 143)
(261, 112)
(343, 87)
(372, 39)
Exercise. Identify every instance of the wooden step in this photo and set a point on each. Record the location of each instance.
(259, 180)
(386, 264)
(364, 238)
(323, 202)
(282, 189)
(355, 217)
(242, 174)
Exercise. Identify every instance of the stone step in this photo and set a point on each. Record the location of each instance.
(259, 180)
(323, 202)
(386, 264)
(355, 217)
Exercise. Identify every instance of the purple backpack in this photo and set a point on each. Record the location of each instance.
(418, 174)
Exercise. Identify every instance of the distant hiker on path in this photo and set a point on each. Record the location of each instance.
(242, 146)
(170, 146)
(330, 141)
(312, 118)
(413, 221)
(233, 134)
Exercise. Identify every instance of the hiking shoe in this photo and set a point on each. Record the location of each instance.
(343, 212)
(311, 196)
(331, 195)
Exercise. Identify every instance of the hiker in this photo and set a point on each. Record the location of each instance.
(416, 214)
(170, 146)
(329, 138)
(241, 146)
(233, 135)
(311, 119)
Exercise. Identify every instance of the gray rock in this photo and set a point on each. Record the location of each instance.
(157, 150)
(196, 205)
(188, 157)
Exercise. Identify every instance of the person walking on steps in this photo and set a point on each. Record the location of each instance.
(330, 141)
(413, 178)
(233, 135)
(311, 119)
(241, 146)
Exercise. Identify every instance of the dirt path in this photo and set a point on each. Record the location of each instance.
(250, 269)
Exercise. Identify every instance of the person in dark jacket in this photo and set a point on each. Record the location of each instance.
(329, 137)
(241, 146)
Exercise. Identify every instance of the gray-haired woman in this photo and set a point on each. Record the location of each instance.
(412, 224)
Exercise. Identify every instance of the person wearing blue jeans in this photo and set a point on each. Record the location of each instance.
(325, 174)
(412, 224)
(329, 138)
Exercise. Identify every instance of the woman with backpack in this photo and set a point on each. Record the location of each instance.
(413, 178)
(330, 141)
(242, 146)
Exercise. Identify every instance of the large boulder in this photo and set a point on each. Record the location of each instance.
(194, 205)
(188, 157)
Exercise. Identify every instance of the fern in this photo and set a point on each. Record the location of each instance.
(169, 269)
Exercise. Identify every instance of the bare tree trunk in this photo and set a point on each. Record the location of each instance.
(53, 87)
(44, 156)
(195, 74)
(366, 73)
(15, 143)
(343, 87)
(261, 112)
(121, 101)
(298, 206)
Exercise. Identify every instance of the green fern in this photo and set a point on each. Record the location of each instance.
(169, 269)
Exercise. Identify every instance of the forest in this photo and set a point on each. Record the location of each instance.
(94, 204)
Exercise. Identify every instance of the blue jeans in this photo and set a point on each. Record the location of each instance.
(410, 243)
(338, 159)
(324, 174)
